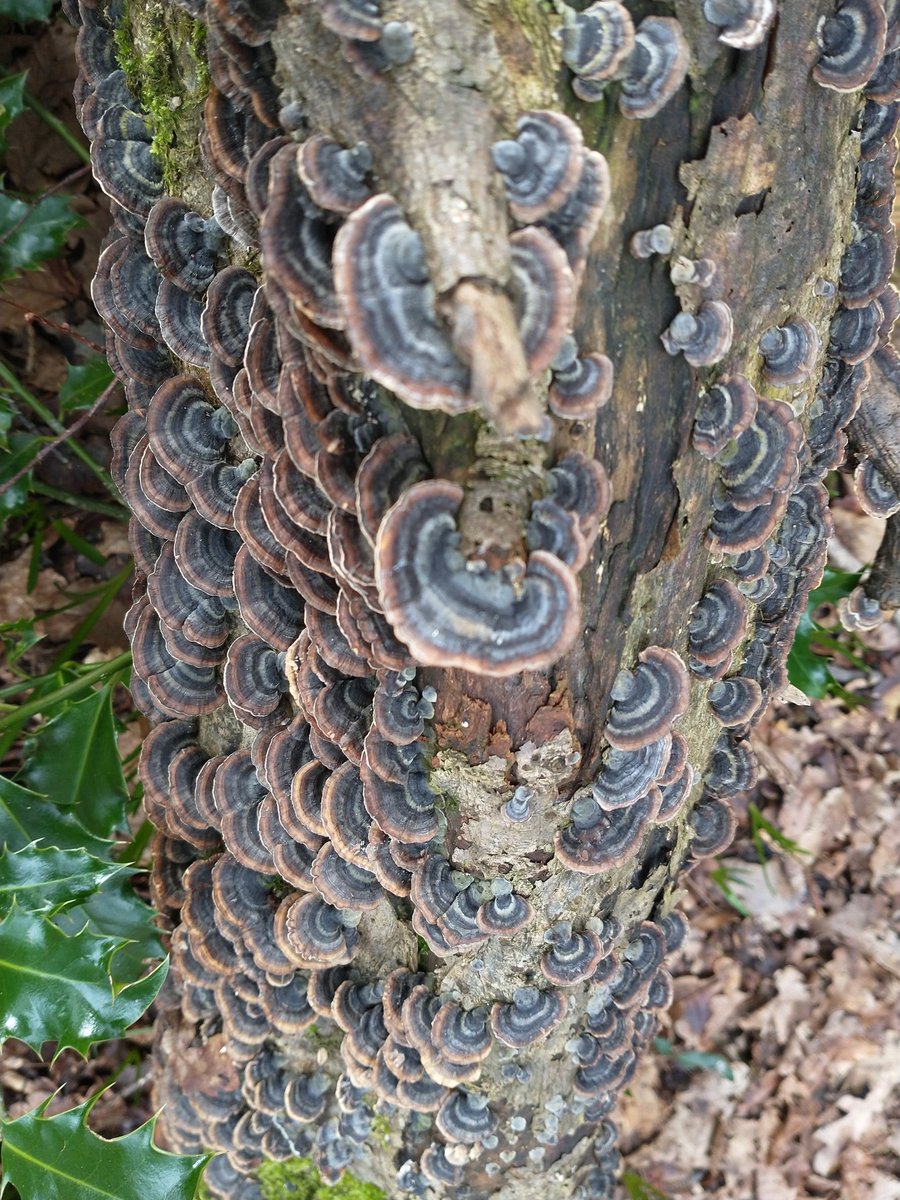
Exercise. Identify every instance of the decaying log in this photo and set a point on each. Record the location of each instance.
(471, 545)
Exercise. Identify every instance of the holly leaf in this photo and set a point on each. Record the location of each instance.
(26, 817)
(26, 10)
(55, 988)
(75, 762)
(31, 233)
(84, 383)
(61, 1158)
(118, 913)
(12, 101)
(45, 880)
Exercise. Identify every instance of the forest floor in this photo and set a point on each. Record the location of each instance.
(779, 1075)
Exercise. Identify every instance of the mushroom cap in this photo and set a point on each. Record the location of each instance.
(532, 1016)
(742, 23)
(359, 20)
(867, 262)
(674, 794)
(390, 467)
(461, 1036)
(182, 244)
(764, 459)
(345, 884)
(178, 313)
(581, 387)
(573, 960)
(875, 492)
(598, 40)
(655, 69)
(855, 333)
(432, 889)
(598, 841)
(542, 166)
(575, 222)
(312, 934)
(878, 125)
(581, 485)
(736, 700)
(504, 915)
(225, 318)
(852, 42)
(125, 168)
(718, 623)
(271, 611)
(465, 1117)
(627, 775)
(186, 433)
(732, 768)
(858, 611)
(712, 825)
(345, 817)
(450, 615)
(789, 351)
(334, 175)
(704, 338)
(253, 678)
(543, 294)
(734, 530)
(648, 699)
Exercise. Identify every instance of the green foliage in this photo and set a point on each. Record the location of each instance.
(55, 987)
(60, 1158)
(31, 233)
(637, 1188)
(759, 826)
(814, 647)
(85, 383)
(26, 10)
(694, 1060)
(74, 760)
(723, 877)
(298, 1179)
(12, 102)
(46, 880)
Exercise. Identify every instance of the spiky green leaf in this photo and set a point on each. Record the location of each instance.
(84, 383)
(46, 879)
(12, 101)
(27, 817)
(31, 233)
(55, 988)
(75, 762)
(118, 913)
(60, 1158)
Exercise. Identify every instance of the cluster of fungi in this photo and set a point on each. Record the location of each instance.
(364, 456)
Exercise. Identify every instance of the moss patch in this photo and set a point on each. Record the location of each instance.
(162, 51)
(298, 1179)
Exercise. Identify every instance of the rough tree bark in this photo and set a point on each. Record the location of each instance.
(753, 166)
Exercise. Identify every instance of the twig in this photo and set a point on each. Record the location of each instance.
(62, 437)
(33, 318)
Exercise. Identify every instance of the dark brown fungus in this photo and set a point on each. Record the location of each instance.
(852, 42)
(751, 565)
(764, 459)
(875, 182)
(159, 749)
(858, 612)
(789, 351)
(674, 794)
(531, 1017)
(400, 710)
(734, 530)
(742, 23)
(458, 928)
(215, 490)
(552, 528)
(855, 332)
(647, 242)
(712, 825)
(451, 614)
(134, 282)
(404, 811)
(183, 245)
(877, 126)
(384, 290)
(543, 293)
(598, 40)
(867, 262)
(158, 485)
(598, 841)
(359, 20)
(332, 645)
(274, 613)
(703, 338)
(437, 1168)
(335, 176)
(237, 795)
(581, 486)
(116, 307)
(461, 1035)
(655, 69)
(505, 913)
(313, 934)
(390, 467)
(884, 85)
(433, 890)
(296, 240)
(627, 775)
(646, 950)
(178, 313)
(249, 21)
(580, 385)
(876, 494)
(253, 677)
(187, 434)
(718, 622)
(199, 617)
(225, 319)
(542, 166)
(573, 956)
(675, 763)
(345, 817)
(125, 167)
(736, 700)
(648, 699)
(575, 222)
(344, 884)
(250, 525)
(732, 767)
(465, 1117)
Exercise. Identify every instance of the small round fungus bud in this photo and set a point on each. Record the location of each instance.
(790, 351)
(647, 242)
(705, 337)
(742, 23)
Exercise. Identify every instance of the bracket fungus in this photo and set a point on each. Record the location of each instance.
(789, 351)
(852, 41)
(655, 69)
(704, 338)
(741, 23)
(451, 613)
(647, 700)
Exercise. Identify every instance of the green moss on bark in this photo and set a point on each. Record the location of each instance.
(298, 1179)
(162, 51)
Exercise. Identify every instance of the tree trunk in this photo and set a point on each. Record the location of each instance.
(532, 886)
